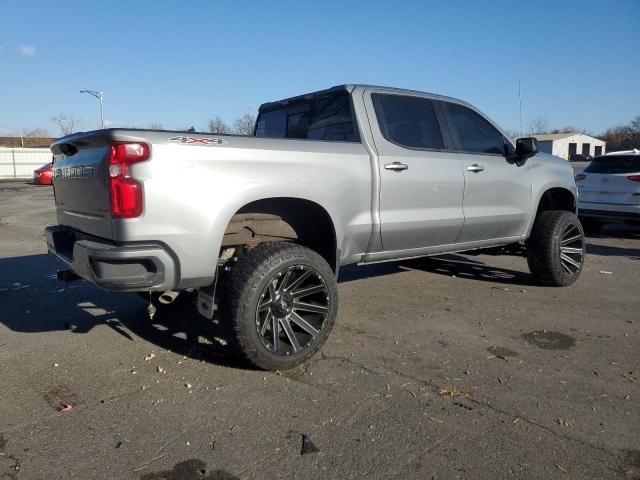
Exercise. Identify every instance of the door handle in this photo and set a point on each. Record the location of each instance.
(475, 168)
(396, 166)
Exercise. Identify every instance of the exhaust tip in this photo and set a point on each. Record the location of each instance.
(168, 297)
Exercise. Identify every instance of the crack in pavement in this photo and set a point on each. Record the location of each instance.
(479, 403)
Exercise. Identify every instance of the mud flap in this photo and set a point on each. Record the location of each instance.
(206, 301)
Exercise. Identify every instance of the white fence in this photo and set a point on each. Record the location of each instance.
(21, 162)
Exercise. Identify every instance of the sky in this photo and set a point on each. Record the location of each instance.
(179, 64)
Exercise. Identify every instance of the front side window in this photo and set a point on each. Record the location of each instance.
(326, 117)
(475, 134)
(408, 121)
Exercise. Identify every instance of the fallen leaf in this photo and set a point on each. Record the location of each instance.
(604, 272)
(454, 393)
(65, 407)
(149, 357)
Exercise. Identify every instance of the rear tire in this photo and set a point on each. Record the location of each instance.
(556, 248)
(281, 304)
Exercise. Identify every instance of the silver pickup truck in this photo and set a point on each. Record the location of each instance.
(259, 226)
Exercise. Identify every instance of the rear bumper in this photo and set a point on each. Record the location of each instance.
(121, 268)
(609, 215)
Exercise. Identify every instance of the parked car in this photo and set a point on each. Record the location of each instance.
(42, 175)
(609, 190)
(580, 157)
(260, 225)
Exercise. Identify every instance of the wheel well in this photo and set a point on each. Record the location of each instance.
(557, 199)
(283, 219)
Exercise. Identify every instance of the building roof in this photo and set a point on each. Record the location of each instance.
(546, 137)
(553, 136)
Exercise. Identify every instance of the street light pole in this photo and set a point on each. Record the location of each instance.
(99, 96)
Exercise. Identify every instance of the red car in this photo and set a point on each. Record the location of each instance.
(42, 176)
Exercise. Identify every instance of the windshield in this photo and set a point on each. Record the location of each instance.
(614, 164)
(325, 117)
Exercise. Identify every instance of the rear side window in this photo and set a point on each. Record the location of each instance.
(474, 133)
(408, 121)
(327, 117)
(614, 164)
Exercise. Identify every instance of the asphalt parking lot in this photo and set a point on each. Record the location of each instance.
(456, 367)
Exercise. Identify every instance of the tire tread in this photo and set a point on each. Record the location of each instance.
(543, 262)
(242, 285)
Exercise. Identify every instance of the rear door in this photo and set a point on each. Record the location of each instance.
(421, 185)
(497, 193)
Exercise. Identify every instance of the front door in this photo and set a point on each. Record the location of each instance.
(497, 194)
(421, 185)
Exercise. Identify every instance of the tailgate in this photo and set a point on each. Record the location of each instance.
(80, 183)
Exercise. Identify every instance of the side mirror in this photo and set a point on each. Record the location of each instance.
(525, 148)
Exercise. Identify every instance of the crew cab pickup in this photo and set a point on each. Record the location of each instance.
(260, 225)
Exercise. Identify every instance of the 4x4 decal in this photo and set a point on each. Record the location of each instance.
(197, 140)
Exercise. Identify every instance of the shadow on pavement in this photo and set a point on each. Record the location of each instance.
(616, 230)
(448, 265)
(33, 301)
(629, 232)
(607, 251)
(472, 269)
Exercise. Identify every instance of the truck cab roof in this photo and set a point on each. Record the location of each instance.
(350, 87)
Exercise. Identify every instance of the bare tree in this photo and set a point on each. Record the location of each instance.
(245, 124)
(37, 136)
(567, 129)
(623, 137)
(67, 125)
(36, 133)
(538, 125)
(216, 125)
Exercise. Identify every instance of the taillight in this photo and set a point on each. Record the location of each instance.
(579, 177)
(634, 178)
(125, 192)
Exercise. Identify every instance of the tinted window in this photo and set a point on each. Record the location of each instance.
(408, 121)
(614, 164)
(475, 134)
(326, 117)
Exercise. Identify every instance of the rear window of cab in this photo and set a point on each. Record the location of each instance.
(326, 117)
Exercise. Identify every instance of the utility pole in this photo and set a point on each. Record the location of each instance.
(98, 94)
(520, 103)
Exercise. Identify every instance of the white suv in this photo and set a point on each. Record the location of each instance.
(609, 190)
